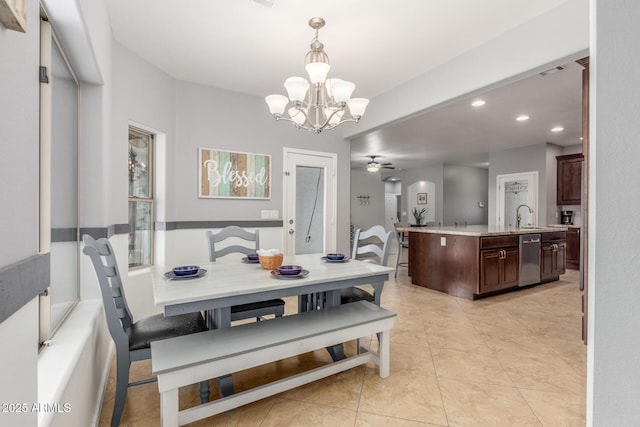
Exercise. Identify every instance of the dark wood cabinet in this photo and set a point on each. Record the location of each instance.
(573, 248)
(473, 267)
(499, 269)
(553, 256)
(569, 189)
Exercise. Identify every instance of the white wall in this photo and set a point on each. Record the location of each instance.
(613, 383)
(212, 118)
(19, 59)
(366, 184)
(433, 174)
(517, 160)
(464, 189)
(18, 358)
(413, 189)
(551, 184)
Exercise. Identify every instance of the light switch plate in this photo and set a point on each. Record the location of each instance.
(443, 241)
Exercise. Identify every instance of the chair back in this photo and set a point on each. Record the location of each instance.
(384, 238)
(117, 311)
(232, 231)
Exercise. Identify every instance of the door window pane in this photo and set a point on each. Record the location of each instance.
(310, 209)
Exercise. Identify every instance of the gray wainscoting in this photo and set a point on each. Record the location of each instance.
(183, 225)
(21, 282)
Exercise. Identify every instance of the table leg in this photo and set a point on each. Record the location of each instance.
(332, 299)
(222, 319)
(204, 391)
(336, 352)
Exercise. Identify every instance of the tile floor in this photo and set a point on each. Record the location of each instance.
(511, 360)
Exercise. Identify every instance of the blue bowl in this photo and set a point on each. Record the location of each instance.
(186, 270)
(252, 257)
(335, 257)
(289, 270)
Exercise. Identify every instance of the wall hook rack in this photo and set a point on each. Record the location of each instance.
(364, 200)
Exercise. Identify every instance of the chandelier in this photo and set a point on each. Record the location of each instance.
(317, 103)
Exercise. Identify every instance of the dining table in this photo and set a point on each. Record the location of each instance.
(230, 281)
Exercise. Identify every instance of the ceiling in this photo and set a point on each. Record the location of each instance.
(252, 46)
(464, 135)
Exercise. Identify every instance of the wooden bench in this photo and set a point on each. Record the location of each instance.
(189, 359)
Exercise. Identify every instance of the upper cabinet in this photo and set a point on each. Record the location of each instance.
(569, 190)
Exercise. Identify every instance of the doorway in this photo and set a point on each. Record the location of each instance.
(513, 191)
(310, 208)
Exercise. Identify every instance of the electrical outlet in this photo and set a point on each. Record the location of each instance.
(443, 241)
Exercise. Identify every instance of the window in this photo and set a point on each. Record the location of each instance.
(141, 209)
(59, 234)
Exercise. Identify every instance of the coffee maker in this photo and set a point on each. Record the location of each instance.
(567, 217)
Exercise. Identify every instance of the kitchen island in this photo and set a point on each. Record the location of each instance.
(479, 260)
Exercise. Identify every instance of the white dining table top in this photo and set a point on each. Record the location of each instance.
(228, 277)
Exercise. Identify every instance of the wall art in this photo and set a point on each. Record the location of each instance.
(233, 174)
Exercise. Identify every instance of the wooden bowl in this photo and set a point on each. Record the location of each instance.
(271, 262)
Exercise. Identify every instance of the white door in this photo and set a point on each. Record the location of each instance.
(391, 216)
(310, 207)
(514, 190)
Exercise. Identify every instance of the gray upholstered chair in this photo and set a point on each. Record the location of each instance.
(254, 309)
(375, 249)
(132, 340)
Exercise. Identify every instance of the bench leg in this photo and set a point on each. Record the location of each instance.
(225, 385)
(169, 408)
(384, 353)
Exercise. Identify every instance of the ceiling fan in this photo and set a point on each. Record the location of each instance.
(374, 166)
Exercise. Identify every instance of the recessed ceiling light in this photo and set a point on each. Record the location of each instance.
(581, 138)
(557, 129)
(522, 118)
(478, 103)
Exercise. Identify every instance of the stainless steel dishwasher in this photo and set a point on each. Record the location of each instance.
(529, 259)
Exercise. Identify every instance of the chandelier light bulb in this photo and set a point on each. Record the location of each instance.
(357, 106)
(297, 88)
(334, 119)
(297, 116)
(276, 103)
(317, 71)
(342, 91)
(329, 84)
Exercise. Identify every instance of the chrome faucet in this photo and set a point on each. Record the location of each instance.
(518, 217)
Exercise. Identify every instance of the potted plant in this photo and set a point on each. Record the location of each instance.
(418, 215)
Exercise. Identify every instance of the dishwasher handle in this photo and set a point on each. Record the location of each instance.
(531, 241)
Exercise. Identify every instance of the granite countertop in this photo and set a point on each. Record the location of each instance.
(483, 230)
